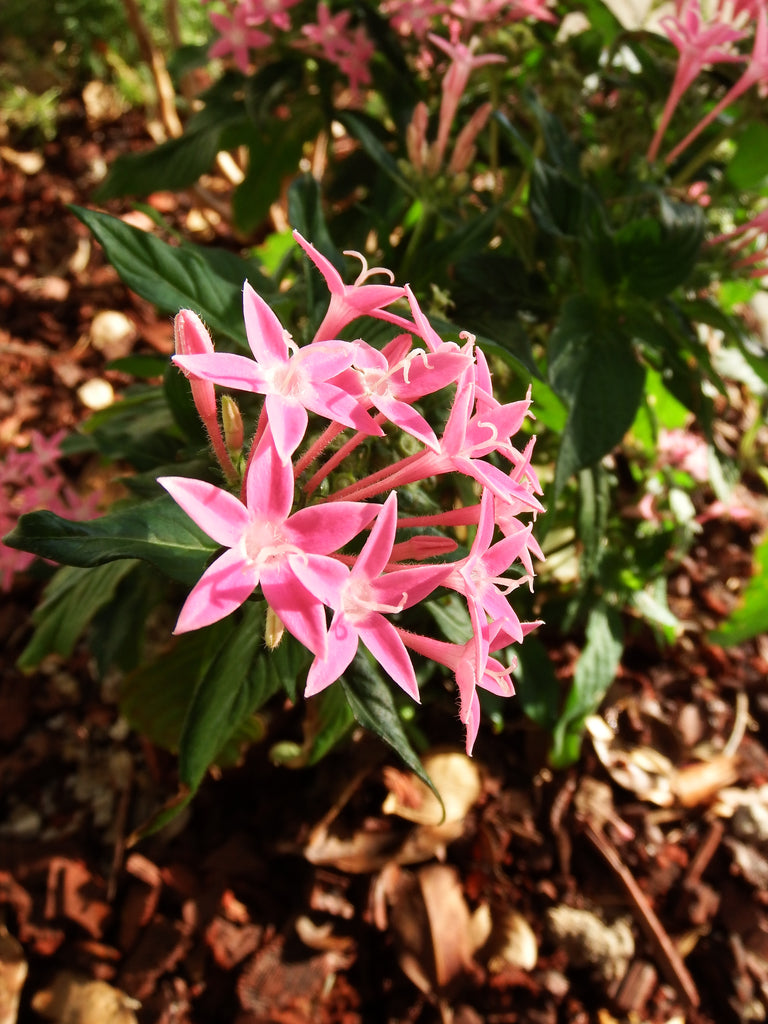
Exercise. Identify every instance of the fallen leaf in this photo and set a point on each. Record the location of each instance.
(75, 1000)
(13, 974)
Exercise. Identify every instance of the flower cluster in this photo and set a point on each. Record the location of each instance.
(31, 480)
(702, 42)
(311, 545)
(250, 25)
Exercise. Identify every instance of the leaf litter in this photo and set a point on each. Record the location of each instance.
(631, 888)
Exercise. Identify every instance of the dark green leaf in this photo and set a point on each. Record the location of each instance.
(593, 366)
(155, 697)
(157, 531)
(208, 281)
(370, 697)
(536, 685)
(70, 601)
(595, 671)
(218, 703)
(173, 165)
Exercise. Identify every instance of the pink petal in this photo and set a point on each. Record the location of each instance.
(407, 419)
(218, 512)
(190, 334)
(324, 359)
(322, 576)
(224, 586)
(288, 422)
(301, 612)
(382, 640)
(225, 368)
(415, 582)
(269, 484)
(266, 335)
(342, 647)
(339, 406)
(330, 273)
(378, 548)
(323, 529)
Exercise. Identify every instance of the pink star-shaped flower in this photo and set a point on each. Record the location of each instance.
(238, 37)
(361, 598)
(264, 542)
(350, 301)
(293, 380)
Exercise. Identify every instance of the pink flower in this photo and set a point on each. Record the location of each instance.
(264, 542)
(191, 338)
(362, 597)
(479, 577)
(292, 383)
(274, 11)
(348, 302)
(470, 670)
(238, 37)
(395, 377)
(413, 17)
(350, 51)
(698, 46)
(683, 450)
(463, 63)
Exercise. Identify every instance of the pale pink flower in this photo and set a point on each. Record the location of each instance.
(756, 73)
(262, 538)
(292, 379)
(683, 450)
(361, 598)
(273, 11)
(479, 577)
(392, 379)
(698, 46)
(356, 59)
(237, 37)
(470, 670)
(463, 63)
(413, 17)
(350, 51)
(348, 302)
(191, 338)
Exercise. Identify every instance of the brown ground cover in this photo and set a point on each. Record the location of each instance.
(633, 887)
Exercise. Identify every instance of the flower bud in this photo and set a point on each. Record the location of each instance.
(233, 426)
(273, 629)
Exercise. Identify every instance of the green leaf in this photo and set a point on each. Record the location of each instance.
(536, 685)
(593, 367)
(328, 719)
(70, 601)
(750, 617)
(173, 165)
(305, 213)
(658, 255)
(222, 697)
(747, 170)
(370, 697)
(451, 615)
(156, 531)
(595, 671)
(155, 697)
(208, 281)
(273, 157)
(363, 129)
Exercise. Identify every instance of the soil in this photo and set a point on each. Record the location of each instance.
(632, 887)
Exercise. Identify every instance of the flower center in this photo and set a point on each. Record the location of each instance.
(359, 601)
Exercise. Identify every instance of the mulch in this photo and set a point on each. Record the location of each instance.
(632, 887)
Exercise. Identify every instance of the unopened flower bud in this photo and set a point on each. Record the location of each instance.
(233, 425)
(273, 629)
